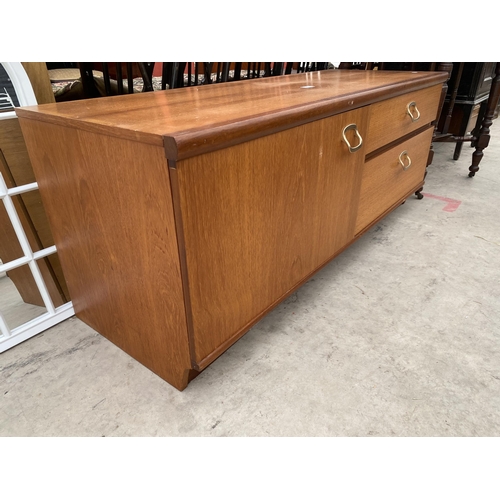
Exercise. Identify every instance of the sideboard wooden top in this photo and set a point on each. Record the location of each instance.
(195, 120)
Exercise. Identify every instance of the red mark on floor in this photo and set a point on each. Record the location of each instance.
(451, 205)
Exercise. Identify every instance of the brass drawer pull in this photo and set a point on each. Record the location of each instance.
(408, 165)
(352, 126)
(416, 116)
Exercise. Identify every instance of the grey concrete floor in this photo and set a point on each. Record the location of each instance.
(398, 336)
(16, 312)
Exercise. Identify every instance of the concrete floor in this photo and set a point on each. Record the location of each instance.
(398, 336)
(16, 312)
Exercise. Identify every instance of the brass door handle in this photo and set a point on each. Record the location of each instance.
(416, 116)
(352, 126)
(408, 164)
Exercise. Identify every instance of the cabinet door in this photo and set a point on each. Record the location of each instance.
(260, 217)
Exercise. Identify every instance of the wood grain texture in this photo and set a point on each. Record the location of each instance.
(175, 263)
(110, 207)
(197, 120)
(16, 169)
(39, 77)
(261, 216)
(10, 249)
(384, 179)
(390, 119)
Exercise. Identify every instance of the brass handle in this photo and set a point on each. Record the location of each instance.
(413, 105)
(408, 165)
(352, 126)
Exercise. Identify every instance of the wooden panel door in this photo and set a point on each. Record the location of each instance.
(259, 218)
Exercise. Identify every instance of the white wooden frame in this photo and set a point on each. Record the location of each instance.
(11, 337)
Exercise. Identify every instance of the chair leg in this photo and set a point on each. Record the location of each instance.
(458, 150)
(484, 133)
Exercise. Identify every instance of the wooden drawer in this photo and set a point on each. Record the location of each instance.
(385, 183)
(390, 119)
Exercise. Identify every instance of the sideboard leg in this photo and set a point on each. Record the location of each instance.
(418, 193)
(484, 133)
(448, 68)
(181, 379)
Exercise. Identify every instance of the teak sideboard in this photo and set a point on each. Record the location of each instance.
(181, 217)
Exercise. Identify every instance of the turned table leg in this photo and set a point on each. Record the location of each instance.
(483, 138)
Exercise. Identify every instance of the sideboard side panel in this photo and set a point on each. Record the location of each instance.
(109, 204)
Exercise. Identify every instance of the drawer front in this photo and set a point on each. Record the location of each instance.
(385, 181)
(390, 119)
